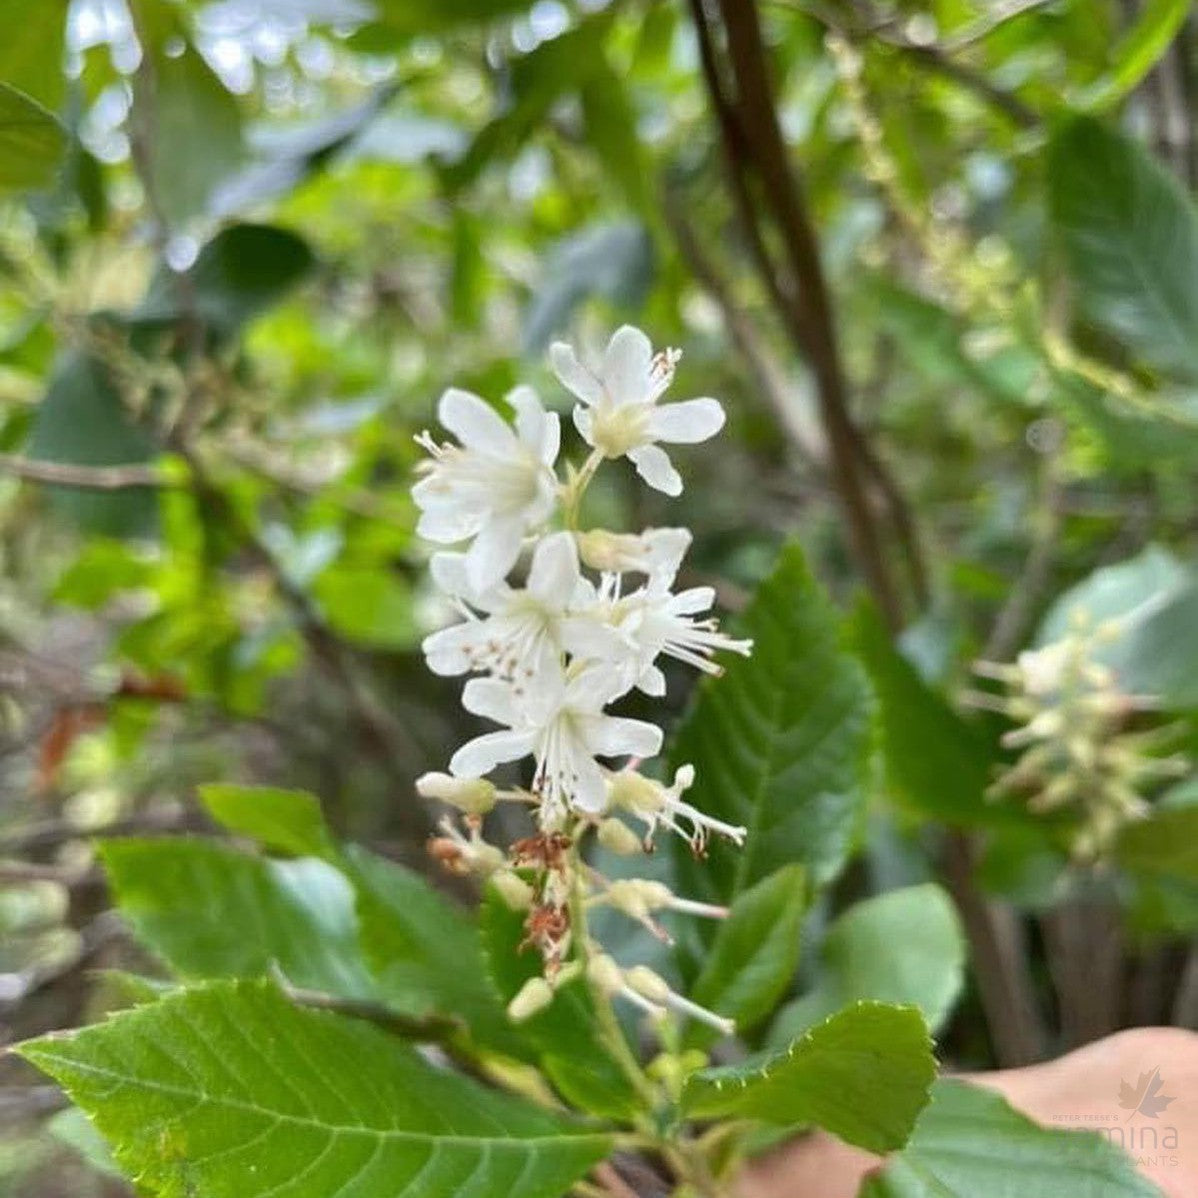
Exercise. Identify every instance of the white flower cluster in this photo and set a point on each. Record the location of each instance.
(556, 651)
(587, 620)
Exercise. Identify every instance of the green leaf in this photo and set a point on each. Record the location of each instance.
(239, 274)
(82, 421)
(780, 743)
(31, 51)
(425, 952)
(411, 17)
(864, 1075)
(937, 764)
(755, 952)
(969, 1143)
(906, 947)
(195, 138)
(210, 911)
(1129, 591)
(368, 604)
(609, 261)
(565, 1033)
(611, 132)
(285, 821)
(1142, 48)
(1130, 235)
(232, 1092)
(31, 141)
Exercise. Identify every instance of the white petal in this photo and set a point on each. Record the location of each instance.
(617, 736)
(585, 636)
(687, 422)
(585, 423)
(693, 601)
(653, 465)
(445, 651)
(590, 791)
(554, 571)
(666, 547)
(595, 687)
(573, 375)
(493, 553)
(482, 754)
(448, 571)
(627, 363)
(493, 700)
(651, 682)
(538, 429)
(474, 422)
(447, 525)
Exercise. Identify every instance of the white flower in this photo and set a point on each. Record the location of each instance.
(562, 724)
(655, 621)
(493, 487)
(654, 551)
(656, 805)
(525, 631)
(619, 415)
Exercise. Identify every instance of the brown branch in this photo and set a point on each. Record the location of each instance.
(754, 147)
(94, 478)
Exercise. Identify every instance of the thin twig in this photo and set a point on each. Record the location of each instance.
(94, 478)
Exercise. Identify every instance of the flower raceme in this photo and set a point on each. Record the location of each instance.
(557, 625)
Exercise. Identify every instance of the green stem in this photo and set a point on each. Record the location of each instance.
(573, 493)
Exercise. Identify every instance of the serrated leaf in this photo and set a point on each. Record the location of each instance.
(425, 952)
(285, 821)
(1130, 234)
(936, 763)
(210, 911)
(232, 1092)
(864, 1075)
(565, 1033)
(780, 743)
(755, 952)
(906, 946)
(969, 1143)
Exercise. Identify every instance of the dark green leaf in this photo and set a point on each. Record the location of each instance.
(864, 1075)
(611, 131)
(755, 952)
(936, 763)
(82, 421)
(1130, 234)
(241, 272)
(425, 952)
(970, 1144)
(210, 911)
(1165, 844)
(31, 141)
(903, 947)
(780, 743)
(232, 1092)
(564, 1034)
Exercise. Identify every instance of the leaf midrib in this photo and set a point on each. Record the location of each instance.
(395, 1133)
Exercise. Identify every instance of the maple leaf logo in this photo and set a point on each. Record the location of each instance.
(1145, 1097)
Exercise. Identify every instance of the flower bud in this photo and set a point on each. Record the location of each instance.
(474, 796)
(648, 984)
(604, 973)
(617, 837)
(637, 897)
(535, 995)
(513, 889)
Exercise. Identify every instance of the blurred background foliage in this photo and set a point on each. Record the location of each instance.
(244, 246)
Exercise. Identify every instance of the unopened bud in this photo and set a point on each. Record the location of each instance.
(648, 984)
(617, 837)
(535, 995)
(513, 889)
(637, 897)
(604, 973)
(474, 796)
